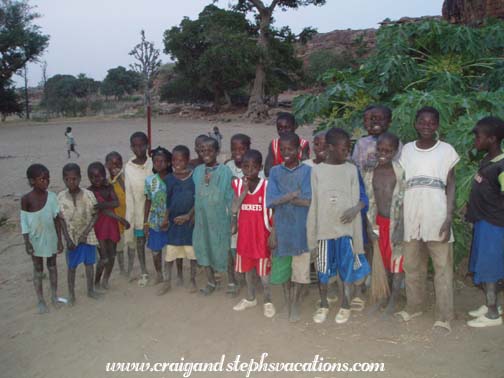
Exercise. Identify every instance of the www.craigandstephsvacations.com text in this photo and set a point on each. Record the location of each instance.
(247, 367)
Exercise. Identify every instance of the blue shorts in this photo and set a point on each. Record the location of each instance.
(157, 240)
(487, 252)
(83, 253)
(139, 233)
(335, 256)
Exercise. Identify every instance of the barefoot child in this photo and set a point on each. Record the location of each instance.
(114, 164)
(385, 186)
(180, 215)
(334, 225)
(212, 206)
(70, 141)
(289, 194)
(252, 219)
(486, 211)
(136, 171)
(215, 133)
(285, 123)
(106, 226)
(429, 200)
(79, 216)
(155, 227)
(41, 231)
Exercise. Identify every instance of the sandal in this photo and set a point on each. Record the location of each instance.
(208, 289)
(482, 321)
(444, 326)
(342, 316)
(405, 316)
(144, 280)
(357, 304)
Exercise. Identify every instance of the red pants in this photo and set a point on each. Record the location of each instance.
(393, 265)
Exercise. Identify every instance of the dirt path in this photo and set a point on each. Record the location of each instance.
(133, 324)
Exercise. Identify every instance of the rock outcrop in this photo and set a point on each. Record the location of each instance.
(472, 11)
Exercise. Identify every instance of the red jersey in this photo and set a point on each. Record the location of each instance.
(277, 156)
(254, 221)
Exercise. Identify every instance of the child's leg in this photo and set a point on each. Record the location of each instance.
(491, 300)
(211, 284)
(53, 278)
(71, 286)
(300, 278)
(324, 303)
(140, 244)
(111, 249)
(415, 268)
(265, 280)
(180, 272)
(120, 261)
(38, 274)
(348, 290)
(442, 260)
(233, 288)
(156, 258)
(250, 278)
(286, 287)
(91, 293)
(397, 279)
(131, 260)
(193, 288)
(297, 290)
(100, 267)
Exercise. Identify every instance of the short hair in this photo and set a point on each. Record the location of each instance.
(184, 150)
(392, 138)
(429, 110)
(139, 135)
(287, 117)
(242, 138)
(491, 126)
(96, 166)
(290, 137)
(71, 167)
(335, 135)
(253, 155)
(212, 141)
(36, 170)
(161, 151)
(200, 137)
(68, 129)
(385, 110)
(111, 155)
(319, 134)
(368, 108)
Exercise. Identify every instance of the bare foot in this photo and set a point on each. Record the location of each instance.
(294, 314)
(165, 288)
(71, 300)
(42, 307)
(193, 288)
(94, 294)
(105, 285)
(180, 281)
(55, 303)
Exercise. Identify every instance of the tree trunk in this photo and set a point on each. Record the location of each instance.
(27, 100)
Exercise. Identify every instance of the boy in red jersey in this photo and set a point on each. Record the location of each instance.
(253, 219)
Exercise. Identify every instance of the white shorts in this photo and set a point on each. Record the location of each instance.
(174, 252)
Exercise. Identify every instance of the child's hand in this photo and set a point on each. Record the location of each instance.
(60, 247)
(99, 206)
(82, 239)
(350, 214)
(292, 195)
(165, 224)
(29, 248)
(272, 240)
(70, 244)
(126, 224)
(234, 225)
(146, 230)
(445, 230)
(181, 219)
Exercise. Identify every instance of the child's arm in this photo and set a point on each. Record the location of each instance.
(147, 207)
(57, 224)
(305, 152)
(112, 204)
(304, 196)
(445, 230)
(24, 226)
(87, 230)
(235, 207)
(350, 214)
(69, 243)
(181, 219)
(312, 219)
(118, 218)
(269, 161)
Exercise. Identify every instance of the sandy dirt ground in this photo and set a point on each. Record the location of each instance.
(132, 324)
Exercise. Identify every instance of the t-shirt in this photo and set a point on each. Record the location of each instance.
(425, 203)
(364, 153)
(155, 191)
(179, 201)
(78, 216)
(237, 172)
(134, 182)
(486, 201)
(289, 219)
(335, 189)
(254, 221)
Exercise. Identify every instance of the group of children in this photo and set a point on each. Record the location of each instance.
(381, 210)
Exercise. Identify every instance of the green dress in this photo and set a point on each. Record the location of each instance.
(39, 225)
(212, 211)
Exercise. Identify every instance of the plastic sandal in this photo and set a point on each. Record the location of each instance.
(444, 326)
(342, 316)
(144, 280)
(357, 304)
(405, 316)
(208, 289)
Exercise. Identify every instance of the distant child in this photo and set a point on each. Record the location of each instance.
(180, 215)
(318, 149)
(212, 207)
(253, 220)
(106, 226)
(289, 194)
(385, 187)
(70, 141)
(215, 133)
(377, 119)
(197, 148)
(78, 209)
(114, 164)
(155, 227)
(136, 171)
(334, 225)
(429, 200)
(486, 211)
(41, 231)
(285, 123)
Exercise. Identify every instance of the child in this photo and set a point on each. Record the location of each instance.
(216, 135)
(486, 211)
(79, 216)
(253, 219)
(385, 186)
(155, 227)
(70, 141)
(197, 148)
(106, 226)
(41, 231)
(333, 224)
(212, 206)
(285, 123)
(377, 120)
(180, 214)
(289, 195)
(114, 164)
(136, 171)
(318, 149)
(429, 200)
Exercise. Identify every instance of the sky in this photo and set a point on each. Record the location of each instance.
(93, 36)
